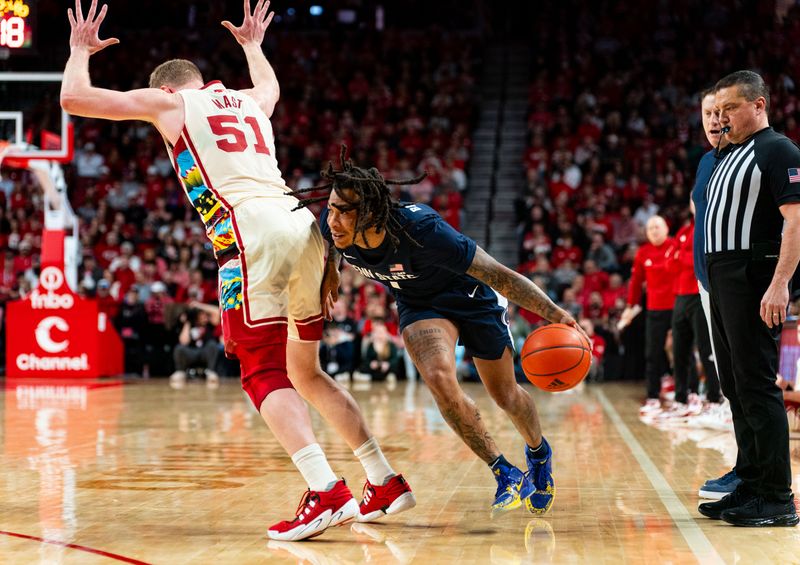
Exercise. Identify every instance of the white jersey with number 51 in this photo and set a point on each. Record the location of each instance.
(232, 142)
(225, 155)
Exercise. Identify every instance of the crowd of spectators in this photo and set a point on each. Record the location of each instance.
(402, 106)
(615, 137)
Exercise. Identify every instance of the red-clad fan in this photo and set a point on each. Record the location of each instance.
(688, 324)
(595, 279)
(598, 349)
(616, 289)
(106, 302)
(651, 266)
(566, 250)
(107, 250)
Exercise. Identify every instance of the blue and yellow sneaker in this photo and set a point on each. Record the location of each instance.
(540, 474)
(513, 487)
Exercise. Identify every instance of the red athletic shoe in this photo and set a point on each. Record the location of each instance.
(317, 512)
(391, 498)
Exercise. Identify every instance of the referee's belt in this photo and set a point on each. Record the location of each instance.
(761, 251)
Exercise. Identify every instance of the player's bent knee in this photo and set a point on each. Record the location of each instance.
(307, 381)
(506, 398)
(263, 384)
(263, 371)
(440, 381)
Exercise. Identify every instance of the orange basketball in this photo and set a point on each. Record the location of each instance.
(556, 357)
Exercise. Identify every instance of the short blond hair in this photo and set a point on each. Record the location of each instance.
(174, 73)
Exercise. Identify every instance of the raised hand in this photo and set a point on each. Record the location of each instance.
(85, 32)
(254, 25)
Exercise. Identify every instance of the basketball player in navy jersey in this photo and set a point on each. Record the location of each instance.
(447, 289)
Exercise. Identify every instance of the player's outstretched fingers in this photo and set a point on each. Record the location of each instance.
(92, 10)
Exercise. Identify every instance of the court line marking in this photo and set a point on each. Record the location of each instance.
(695, 538)
(78, 547)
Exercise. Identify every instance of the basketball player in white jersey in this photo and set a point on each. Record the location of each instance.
(271, 260)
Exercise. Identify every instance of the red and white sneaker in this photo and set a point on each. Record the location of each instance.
(391, 498)
(317, 512)
(651, 408)
(668, 387)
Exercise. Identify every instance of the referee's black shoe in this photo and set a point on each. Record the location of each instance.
(735, 499)
(759, 511)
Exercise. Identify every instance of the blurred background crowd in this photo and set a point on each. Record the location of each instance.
(612, 140)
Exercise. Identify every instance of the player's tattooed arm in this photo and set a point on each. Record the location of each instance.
(517, 288)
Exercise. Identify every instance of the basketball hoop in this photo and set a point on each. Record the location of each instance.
(12, 162)
(5, 146)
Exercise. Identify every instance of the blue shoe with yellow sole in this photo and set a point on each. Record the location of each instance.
(513, 488)
(540, 474)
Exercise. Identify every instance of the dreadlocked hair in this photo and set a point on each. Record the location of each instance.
(370, 196)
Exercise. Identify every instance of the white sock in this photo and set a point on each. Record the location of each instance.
(375, 464)
(313, 465)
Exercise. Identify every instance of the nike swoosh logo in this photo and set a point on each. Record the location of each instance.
(472, 294)
(346, 256)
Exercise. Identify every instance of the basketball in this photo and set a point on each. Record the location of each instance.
(556, 357)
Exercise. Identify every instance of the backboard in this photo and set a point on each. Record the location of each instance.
(31, 118)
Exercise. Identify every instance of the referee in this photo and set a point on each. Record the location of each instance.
(752, 245)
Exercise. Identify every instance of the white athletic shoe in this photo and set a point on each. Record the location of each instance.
(695, 404)
(651, 408)
(715, 417)
(177, 380)
(675, 414)
(212, 379)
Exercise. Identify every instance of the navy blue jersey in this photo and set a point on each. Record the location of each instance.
(704, 170)
(415, 273)
(429, 280)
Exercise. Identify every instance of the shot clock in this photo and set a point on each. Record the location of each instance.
(16, 25)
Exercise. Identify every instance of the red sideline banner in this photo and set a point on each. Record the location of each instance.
(54, 333)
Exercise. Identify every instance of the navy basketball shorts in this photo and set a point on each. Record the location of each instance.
(479, 313)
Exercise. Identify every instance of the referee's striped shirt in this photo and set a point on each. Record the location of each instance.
(749, 184)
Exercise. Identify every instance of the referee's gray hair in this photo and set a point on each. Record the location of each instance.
(750, 84)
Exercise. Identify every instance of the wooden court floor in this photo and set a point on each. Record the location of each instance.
(140, 473)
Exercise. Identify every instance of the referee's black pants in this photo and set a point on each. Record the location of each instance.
(747, 355)
(689, 328)
(655, 338)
